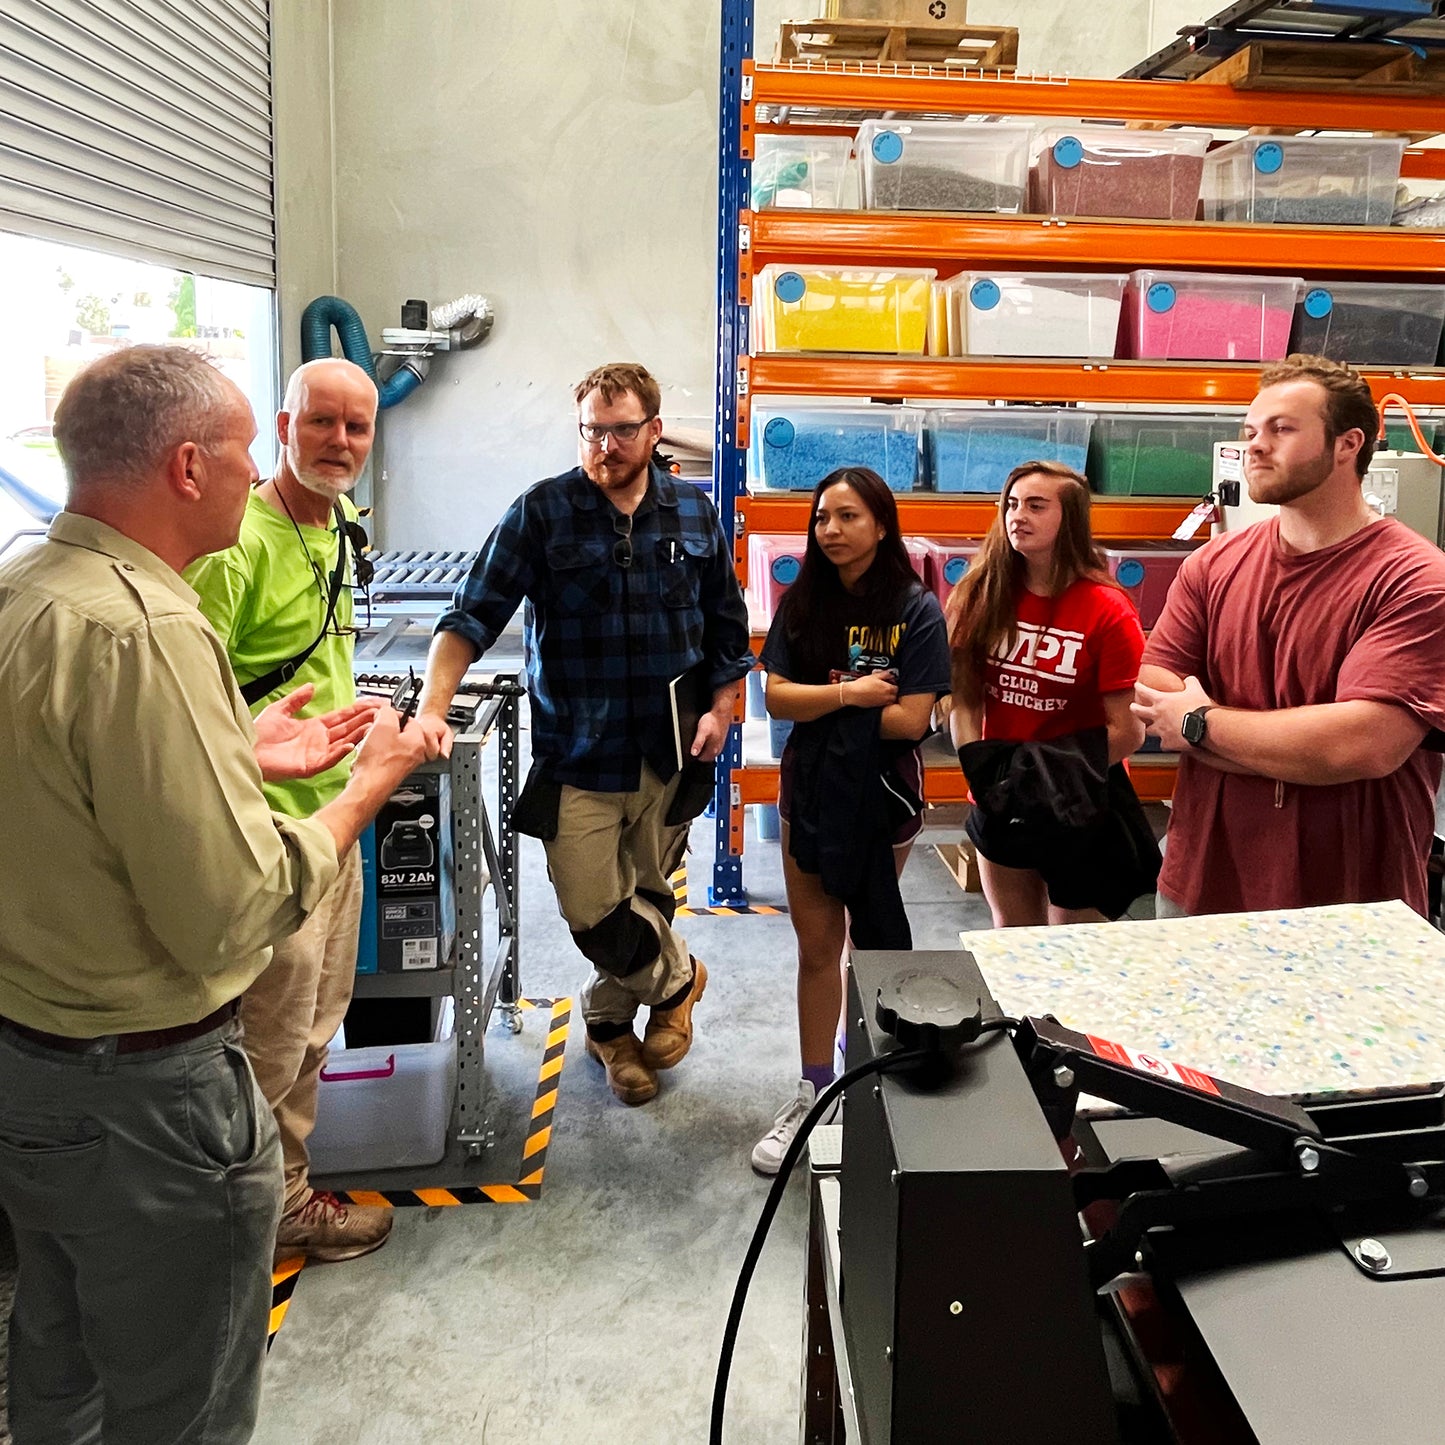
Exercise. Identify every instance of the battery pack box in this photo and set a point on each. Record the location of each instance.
(415, 899)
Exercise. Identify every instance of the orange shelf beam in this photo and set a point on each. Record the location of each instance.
(1198, 382)
(1153, 781)
(880, 238)
(1176, 102)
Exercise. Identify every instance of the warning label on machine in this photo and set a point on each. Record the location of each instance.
(1152, 1064)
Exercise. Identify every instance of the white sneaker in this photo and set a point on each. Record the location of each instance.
(768, 1152)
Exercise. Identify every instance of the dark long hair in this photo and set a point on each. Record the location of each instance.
(983, 609)
(815, 609)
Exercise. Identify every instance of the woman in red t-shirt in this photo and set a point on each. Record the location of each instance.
(1046, 650)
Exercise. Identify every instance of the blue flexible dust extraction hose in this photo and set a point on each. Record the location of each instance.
(326, 312)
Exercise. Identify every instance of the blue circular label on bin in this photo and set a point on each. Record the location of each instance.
(778, 432)
(1268, 158)
(785, 570)
(1130, 572)
(983, 295)
(1319, 303)
(887, 147)
(789, 287)
(954, 569)
(1160, 297)
(1068, 151)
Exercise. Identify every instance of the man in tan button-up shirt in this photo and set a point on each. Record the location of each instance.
(145, 882)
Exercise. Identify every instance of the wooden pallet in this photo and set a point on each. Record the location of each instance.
(1329, 65)
(988, 47)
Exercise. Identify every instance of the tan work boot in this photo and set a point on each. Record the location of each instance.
(627, 1075)
(328, 1231)
(669, 1031)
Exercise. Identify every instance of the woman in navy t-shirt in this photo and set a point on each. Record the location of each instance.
(857, 630)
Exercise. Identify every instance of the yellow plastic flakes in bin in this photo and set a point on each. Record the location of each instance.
(831, 309)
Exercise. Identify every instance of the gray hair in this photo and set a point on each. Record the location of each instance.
(125, 413)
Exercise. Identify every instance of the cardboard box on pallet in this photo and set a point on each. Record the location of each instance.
(897, 12)
(415, 901)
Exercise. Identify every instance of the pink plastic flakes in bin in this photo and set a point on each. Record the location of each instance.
(1205, 316)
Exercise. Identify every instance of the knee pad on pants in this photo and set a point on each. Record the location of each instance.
(620, 944)
(665, 903)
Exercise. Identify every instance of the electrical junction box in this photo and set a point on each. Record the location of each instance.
(1405, 485)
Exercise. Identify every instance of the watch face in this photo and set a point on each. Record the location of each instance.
(1192, 727)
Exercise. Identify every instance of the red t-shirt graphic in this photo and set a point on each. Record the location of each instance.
(1070, 651)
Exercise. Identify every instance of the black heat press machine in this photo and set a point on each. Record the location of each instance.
(1203, 1264)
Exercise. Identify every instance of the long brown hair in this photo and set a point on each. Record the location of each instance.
(983, 609)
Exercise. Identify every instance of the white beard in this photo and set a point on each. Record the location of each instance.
(323, 486)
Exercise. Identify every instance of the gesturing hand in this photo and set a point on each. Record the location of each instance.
(290, 747)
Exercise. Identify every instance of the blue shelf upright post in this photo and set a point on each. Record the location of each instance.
(732, 334)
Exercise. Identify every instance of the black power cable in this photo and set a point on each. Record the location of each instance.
(922, 1059)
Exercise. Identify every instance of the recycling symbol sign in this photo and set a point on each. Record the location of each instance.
(938, 9)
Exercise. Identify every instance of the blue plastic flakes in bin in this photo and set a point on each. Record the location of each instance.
(974, 451)
(794, 450)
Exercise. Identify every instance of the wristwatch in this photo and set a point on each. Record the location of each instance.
(1192, 726)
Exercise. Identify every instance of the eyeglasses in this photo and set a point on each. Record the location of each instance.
(619, 431)
(622, 547)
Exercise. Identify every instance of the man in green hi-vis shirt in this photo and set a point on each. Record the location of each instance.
(270, 598)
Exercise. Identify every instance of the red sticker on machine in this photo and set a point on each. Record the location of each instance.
(1152, 1064)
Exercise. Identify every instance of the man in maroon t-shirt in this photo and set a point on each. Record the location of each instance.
(1299, 667)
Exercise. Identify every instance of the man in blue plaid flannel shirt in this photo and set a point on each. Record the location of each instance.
(629, 584)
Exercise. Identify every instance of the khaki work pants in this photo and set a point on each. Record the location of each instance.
(292, 1012)
(611, 849)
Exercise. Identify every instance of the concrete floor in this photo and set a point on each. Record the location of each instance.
(599, 1308)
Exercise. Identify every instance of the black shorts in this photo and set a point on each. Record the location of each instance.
(1105, 866)
(909, 768)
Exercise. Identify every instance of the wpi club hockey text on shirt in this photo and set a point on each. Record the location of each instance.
(1039, 654)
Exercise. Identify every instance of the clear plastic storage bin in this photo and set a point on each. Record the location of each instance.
(386, 1106)
(943, 165)
(1156, 454)
(800, 171)
(794, 448)
(774, 562)
(949, 559)
(974, 451)
(1307, 180)
(1109, 171)
(1036, 314)
(816, 308)
(1204, 316)
(1146, 570)
(1370, 323)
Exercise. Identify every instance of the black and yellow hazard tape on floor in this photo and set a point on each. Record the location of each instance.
(283, 1286)
(527, 1189)
(679, 892)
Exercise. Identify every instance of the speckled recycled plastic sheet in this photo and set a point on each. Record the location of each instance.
(1302, 1002)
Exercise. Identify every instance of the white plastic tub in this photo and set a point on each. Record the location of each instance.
(386, 1106)
(1036, 313)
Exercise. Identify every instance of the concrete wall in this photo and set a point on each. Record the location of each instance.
(563, 163)
(305, 211)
